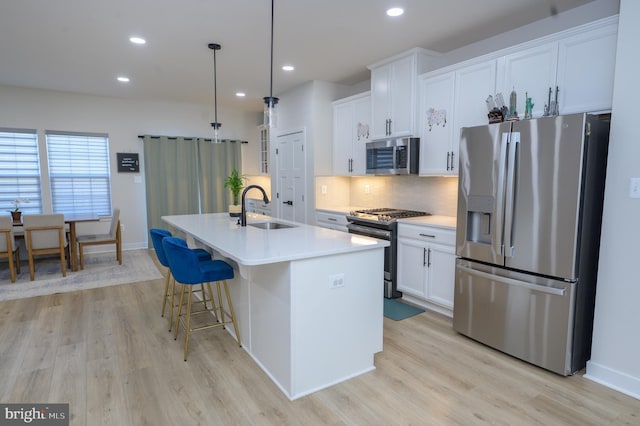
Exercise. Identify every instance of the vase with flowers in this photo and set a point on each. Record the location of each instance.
(16, 214)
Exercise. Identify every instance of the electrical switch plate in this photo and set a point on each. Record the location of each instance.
(323, 189)
(634, 187)
(336, 281)
(367, 189)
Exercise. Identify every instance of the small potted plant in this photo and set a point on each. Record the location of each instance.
(16, 214)
(235, 183)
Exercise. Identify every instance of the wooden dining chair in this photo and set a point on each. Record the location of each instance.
(8, 247)
(44, 234)
(113, 237)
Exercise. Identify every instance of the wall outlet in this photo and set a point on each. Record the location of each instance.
(121, 227)
(367, 188)
(336, 281)
(323, 189)
(634, 188)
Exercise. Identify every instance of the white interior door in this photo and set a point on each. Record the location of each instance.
(290, 192)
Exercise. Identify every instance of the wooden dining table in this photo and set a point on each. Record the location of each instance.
(72, 219)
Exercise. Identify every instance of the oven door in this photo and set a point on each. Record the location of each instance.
(381, 234)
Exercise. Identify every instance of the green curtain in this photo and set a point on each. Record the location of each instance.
(216, 162)
(186, 176)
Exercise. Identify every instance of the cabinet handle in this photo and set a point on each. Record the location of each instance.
(288, 202)
(427, 235)
(332, 219)
(448, 156)
(429, 258)
(389, 127)
(452, 156)
(424, 255)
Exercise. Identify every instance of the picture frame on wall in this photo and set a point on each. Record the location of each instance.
(128, 162)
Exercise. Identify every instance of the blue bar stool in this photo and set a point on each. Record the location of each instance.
(157, 235)
(187, 270)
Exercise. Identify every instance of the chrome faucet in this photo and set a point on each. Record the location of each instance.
(243, 214)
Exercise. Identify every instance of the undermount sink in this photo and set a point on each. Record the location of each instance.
(271, 225)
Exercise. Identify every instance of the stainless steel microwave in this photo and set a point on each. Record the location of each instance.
(399, 156)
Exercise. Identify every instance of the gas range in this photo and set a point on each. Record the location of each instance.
(382, 224)
(383, 216)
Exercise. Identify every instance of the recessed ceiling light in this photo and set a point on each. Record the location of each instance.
(288, 67)
(123, 79)
(240, 94)
(395, 11)
(137, 40)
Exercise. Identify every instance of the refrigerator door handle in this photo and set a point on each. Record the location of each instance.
(498, 240)
(543, 289)
(512, 166)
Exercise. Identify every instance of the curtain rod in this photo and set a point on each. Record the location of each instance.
(190, 139)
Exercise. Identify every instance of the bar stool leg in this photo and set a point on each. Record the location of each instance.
(221, 306)
(172, 302)
(166, 292)
(188, 327)
(204, 295)
(177, 324)
(214, 309)
(232, 312)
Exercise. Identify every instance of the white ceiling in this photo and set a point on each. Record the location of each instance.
(82, 45)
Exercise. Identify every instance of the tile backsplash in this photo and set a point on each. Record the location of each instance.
(437, 195)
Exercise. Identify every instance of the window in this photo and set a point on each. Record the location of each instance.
(20, 170)
(79, 172)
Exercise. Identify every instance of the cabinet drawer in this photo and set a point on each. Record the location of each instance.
(427, 234)
(331, 218)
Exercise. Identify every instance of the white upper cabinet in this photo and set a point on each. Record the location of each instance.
(393, 94)
(255, 153)
(586, 65)
(530, 72)
(579, 62)
(351, 131)
(473, 84)
(449, 102)
(436, 123)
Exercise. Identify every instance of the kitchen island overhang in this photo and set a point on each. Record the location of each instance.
(308, 300)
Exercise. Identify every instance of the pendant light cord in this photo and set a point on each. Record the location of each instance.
(271, 73)
(215, 87)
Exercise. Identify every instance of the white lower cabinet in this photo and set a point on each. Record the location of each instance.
(426, 265)
(331, 220)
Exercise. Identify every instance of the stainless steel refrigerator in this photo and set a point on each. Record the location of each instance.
(528, 235)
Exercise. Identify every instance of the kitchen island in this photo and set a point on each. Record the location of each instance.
(308, 300)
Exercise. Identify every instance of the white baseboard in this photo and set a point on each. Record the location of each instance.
(617, 380)
(427, 305)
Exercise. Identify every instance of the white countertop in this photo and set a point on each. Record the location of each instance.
(448, 222)
(254, 246)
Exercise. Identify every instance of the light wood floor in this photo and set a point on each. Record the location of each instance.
(108, 353)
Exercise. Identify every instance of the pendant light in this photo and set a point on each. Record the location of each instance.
(270, 116)
(216, 126)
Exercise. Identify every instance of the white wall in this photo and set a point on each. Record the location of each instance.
(590, 12)
(123, 120)
(308, 107)
(615, 358)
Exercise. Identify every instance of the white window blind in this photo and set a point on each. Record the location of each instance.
(20, 170)
(79, 173)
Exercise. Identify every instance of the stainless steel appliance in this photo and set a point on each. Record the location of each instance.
(393, 156)
(529, 216)
(382, 224)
